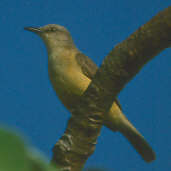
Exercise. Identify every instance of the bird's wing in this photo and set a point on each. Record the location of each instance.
(89, 68)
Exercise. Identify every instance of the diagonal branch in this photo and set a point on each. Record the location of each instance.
(118, 68)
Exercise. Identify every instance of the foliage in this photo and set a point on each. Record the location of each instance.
(16, 156)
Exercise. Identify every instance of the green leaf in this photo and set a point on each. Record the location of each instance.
(15, 156)
(12, 153)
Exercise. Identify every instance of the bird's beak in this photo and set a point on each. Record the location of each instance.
(33, 29)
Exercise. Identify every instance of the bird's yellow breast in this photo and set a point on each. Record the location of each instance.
(66, 75)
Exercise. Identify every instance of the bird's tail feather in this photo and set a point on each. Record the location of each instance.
(137, 141)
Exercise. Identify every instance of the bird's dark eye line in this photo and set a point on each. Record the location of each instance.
(52, 30)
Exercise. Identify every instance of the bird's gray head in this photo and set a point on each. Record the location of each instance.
(52, 34)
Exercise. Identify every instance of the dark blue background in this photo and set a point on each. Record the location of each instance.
(29, 104)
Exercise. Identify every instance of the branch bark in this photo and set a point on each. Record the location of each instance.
(119, 67)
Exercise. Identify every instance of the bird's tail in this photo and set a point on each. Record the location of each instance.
(117, 121)
(137, 140)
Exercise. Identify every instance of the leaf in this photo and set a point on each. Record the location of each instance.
(15, 156)
(12, 153)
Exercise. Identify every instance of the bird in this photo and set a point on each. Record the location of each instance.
(70, 72)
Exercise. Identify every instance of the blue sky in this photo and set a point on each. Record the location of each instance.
(29, 104)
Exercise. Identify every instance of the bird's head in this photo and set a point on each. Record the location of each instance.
(52, 35)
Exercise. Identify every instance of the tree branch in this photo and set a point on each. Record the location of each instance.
(119, 67)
